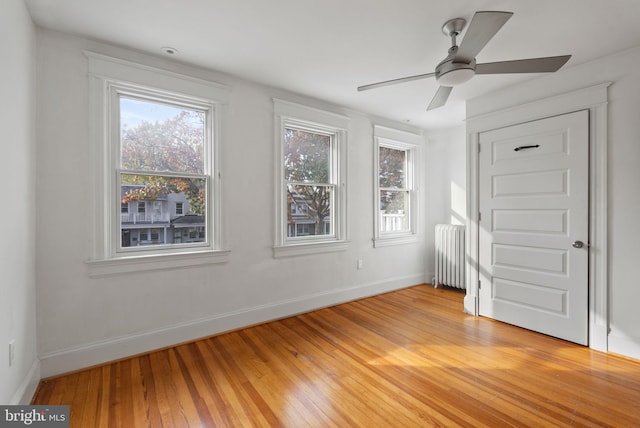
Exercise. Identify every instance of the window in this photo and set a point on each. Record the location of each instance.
(303, 229)
(396, 193)
(161, 156)
(393, 189)
(308, 181)
(155, 234)
(310, 189)
(153, 145)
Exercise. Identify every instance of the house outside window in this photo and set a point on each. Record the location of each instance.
(155, 142)
(396, 198)
(311, 188)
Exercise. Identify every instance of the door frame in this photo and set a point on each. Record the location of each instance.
(593, 99)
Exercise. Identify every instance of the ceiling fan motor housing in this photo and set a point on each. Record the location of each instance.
(451, 73)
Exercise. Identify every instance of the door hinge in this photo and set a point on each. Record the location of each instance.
(478, 147)
(479, 216)
(479, 284)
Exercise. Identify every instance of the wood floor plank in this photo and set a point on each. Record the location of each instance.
(410, 358)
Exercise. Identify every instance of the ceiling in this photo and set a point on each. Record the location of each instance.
(327, 48)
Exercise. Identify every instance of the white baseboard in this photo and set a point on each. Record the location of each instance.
(28, 386)
(624, 345)
(91, 354)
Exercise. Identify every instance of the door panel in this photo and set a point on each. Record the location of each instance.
(533, 188)
(547, 260)
(550, 183)
(551, 222)
(546, 299)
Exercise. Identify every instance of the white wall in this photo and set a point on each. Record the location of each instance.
(17, 247)
(84, 321)
(623, 69)
(445, 172)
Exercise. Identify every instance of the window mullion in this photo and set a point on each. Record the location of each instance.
(307, 183)
(160, 174)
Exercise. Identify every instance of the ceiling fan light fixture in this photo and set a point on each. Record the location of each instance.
(456, 77)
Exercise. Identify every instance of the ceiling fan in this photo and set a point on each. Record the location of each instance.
(460, 65)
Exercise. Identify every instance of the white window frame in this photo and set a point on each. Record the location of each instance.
(109, 76)
(288, 114)
(410, 143)
(118, 90)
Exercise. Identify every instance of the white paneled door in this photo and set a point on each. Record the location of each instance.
(534, 224)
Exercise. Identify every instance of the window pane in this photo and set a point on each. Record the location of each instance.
(157, 195)
(394, 211)
(309, 210)
(306, 156)
(393, 168)
(161, 138)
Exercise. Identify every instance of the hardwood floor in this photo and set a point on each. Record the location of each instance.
(410, 358)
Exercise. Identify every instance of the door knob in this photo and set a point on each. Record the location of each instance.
(578, 244)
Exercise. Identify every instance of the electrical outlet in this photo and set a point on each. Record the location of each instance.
(12, 352)
(360, 264)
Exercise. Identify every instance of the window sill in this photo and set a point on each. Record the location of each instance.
(395, 240)
(303, 249)
(144, 263)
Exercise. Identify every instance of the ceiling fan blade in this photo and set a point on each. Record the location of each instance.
(394, 81)
(483, 26)
(440, 98)
(533, 65)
